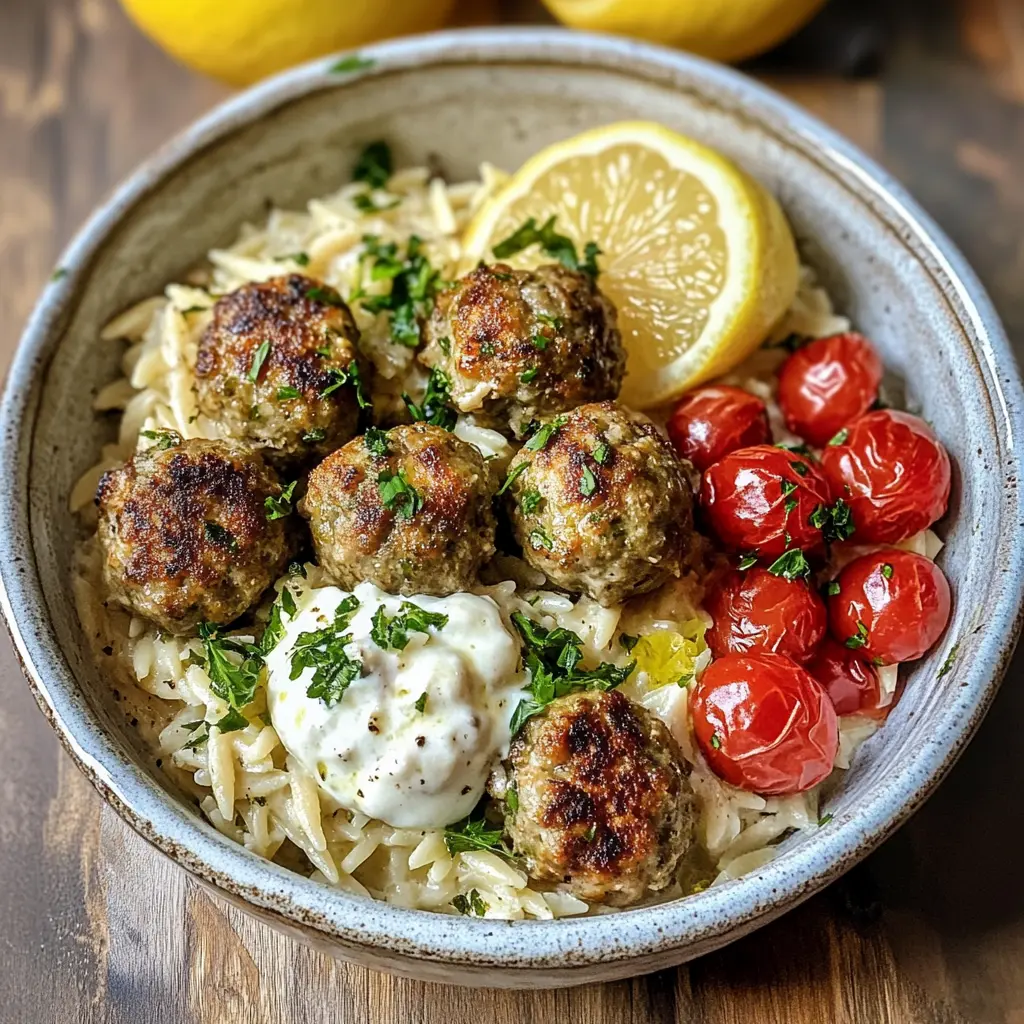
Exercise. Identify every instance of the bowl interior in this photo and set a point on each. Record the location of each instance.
(446, 107)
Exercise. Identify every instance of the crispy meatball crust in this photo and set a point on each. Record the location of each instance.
(524, 344)
(294, 411)
(605, 804)
(604, 506)
(430, 542)
(185, 533)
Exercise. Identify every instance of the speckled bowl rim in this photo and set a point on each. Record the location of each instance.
(670, 931)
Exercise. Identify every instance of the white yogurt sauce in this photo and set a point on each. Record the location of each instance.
(374, 751)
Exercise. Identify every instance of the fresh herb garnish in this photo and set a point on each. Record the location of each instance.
(398, 495)
(840, 437)
(277, 507)
(473, 834)
(746, 561)
(474, 903)
(233, 667)
(557, 246)
(339, 378)
(627, 642)
(588, 482)
(286, 393)
(540, 539)
(528, 375)
(530, 501)
(553, 658)
(512, 799)
(376, 441)
(288, 605)
(947, 665)
(887, 571)
(220, 536)
(314, 436)
(435, 408)
(353, 62)
(162, 439)
(602, 453)
(800, 467)
(544, 435)
(324, 294)
(788, 487)
(301, 258)
(716, 741)
(259, 357)
(835, 521)
(421, 702)
(414, 283)
(591, 834)
(323, 650)
(855, 643)
(391, 632)
(824, 820)
(365, 202)
(833, 588)
(791, 565)
(374, 165)
(513, 475)
(540, 341)
(445, 345)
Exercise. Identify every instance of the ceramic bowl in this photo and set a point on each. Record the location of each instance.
(500, 95)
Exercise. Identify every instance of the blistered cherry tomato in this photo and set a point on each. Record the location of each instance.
(894, 474)
(760, 501)
(850, 682)
(758, 611)
(890, 606)
(827, 384)
(713, 421)
(764, 724)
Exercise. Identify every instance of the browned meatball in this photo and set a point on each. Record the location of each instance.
(603, 798)
(408, 510)
(525, 344)
(601, 503)
(185, 532)
(278, 365)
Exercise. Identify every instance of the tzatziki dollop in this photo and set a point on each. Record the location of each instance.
(413, 735)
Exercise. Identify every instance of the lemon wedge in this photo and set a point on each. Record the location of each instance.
(697, 256)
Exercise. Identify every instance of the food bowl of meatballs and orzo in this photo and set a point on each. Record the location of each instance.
(528, 544)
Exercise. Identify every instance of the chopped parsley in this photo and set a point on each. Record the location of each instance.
(530, 501)
(286, 393)
(288, 605)
(364, 202)
(833, 588)
(324, 294)
(353, 62)
(553, 658)
(544, 434)
(528, 375)
(540, 539)
(840, 437)
(473, 834)
(350, 375)
(591, 834)
(716, 741)
(435, 408)
(162, 439)
(220, 536)
(391, 632)
(788, 486)
(259, 357)
(557, 246)
(374, 165)
(746, 561)
(512, 799)
(887, 571)
(513, 475)
(301, 258)
(824, 820)
(280, 506)
(947, 665)
(414, 283)
(588, 482)
(398, 495)
(234, 670)
(856, 642)
(376, 441)
(540, 341)
(315, 435)
(835, 521)
(791, 565)
(800, 468)
(421, 702)
(627, 641)
(445, 345)
(323, 650)
(474, 903)
(602, 453)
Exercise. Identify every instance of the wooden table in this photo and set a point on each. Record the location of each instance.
(96, 926)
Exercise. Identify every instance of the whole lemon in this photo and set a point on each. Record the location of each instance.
(726, 30)
(241, 41)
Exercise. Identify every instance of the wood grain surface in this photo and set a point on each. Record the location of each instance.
(96, 926)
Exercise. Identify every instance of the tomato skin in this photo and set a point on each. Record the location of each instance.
(901, 599)
(827, 384)
(757, 611)
(893, 473)
(851, 683)
(764, 724)
(712, 421)
(744, 504)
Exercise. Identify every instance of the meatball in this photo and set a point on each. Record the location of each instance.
(601, 503)
(604, 802)
(408, 509)
(524, 344)
(185, 532)
(279, 367)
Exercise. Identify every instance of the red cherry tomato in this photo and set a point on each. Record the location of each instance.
(890, 606)
(713, 421)
(764, 724)
(850, 682)
(892, 472)
(827, 384)
(760, 500)
(758, 611)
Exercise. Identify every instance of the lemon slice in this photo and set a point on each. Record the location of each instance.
(697, 256)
